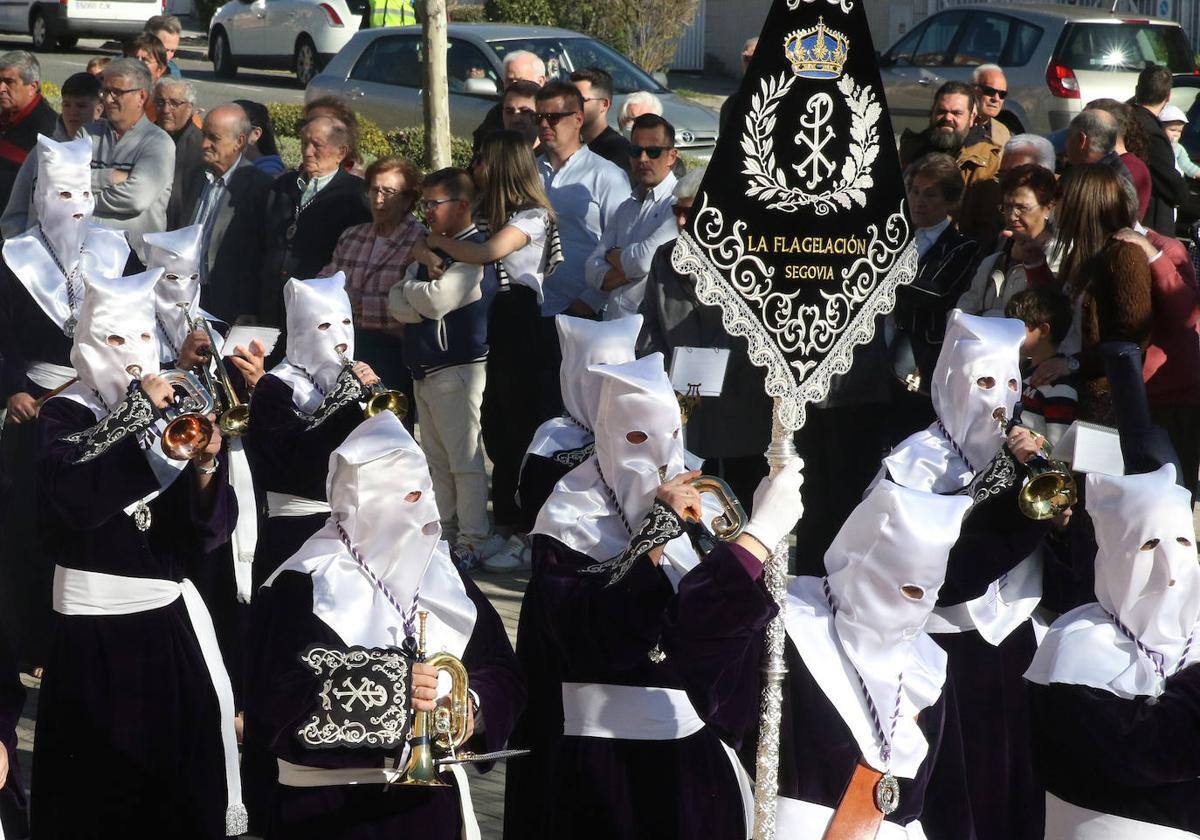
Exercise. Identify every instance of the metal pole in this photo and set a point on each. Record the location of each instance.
(437, 92)
(766, 773)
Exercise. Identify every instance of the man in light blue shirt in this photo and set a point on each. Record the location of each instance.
(585, 191)
(644, 221)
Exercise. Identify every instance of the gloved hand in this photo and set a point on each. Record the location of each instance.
(777, 505)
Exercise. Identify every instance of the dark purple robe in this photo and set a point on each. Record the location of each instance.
(616, 788)
(27, 335)
(128, 697)
(282, 696)
(1007, 799)
(14, 816)
(1136, 758)
(715, 634)
(288, 455)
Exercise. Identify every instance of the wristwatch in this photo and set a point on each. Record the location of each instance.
(1072, 364)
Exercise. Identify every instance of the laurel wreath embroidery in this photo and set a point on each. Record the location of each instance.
(768, 183)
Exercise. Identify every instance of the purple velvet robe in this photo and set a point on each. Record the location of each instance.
(289, 457)
(715, 633)
(126, 699)
(282, 696)
(1135, 758)
(605, 787)
(14, 815)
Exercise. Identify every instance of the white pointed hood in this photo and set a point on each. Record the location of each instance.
(382, 498)
(115, 341)
(319, 320)
(46, 258)
(886, 566)
(584, 343)
(1147, 580)
(977, 374)
(177, 253)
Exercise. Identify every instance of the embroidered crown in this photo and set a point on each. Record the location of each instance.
(817, 53)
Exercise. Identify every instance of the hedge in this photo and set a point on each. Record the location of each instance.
(374, 142)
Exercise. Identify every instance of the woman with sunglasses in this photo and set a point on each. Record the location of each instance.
(524, 245)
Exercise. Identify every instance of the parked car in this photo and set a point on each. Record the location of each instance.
(297, 35)
(380, 72)
(1056, 59)
(62, 23)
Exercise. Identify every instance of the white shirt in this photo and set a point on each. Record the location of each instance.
(928, 235)
(585, 193)
(642, 223)
(524, 265)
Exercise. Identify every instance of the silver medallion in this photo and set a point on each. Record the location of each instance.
(141, 516)
(887, 794)
(657, 654)
(69, 326)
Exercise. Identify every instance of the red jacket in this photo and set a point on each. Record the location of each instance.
(1172, 365)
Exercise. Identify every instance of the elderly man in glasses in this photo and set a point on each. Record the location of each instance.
(992, 89)
(133, 160)
(644, 221)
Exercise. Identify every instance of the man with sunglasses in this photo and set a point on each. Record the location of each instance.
(643, 222)
(992, 89)
(517, 108)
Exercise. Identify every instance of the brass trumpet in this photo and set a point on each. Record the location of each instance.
(235, 419)
(188, 429)
(445, 727)
(731, 521)
(381, 398)
(1049, 487)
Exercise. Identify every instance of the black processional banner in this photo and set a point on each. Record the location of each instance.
(362, 698)
(799, 231)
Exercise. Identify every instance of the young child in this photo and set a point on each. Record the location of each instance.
(1048, 409)
(1173, 120)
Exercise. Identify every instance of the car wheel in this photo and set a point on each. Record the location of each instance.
(39, 31)
(307, 63)
(224, 66)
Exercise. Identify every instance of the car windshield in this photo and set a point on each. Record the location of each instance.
(1126, 47)
(562, 55)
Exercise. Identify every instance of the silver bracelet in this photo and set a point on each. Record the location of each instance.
(208, 470)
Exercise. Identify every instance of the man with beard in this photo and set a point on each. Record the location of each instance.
(955, 108)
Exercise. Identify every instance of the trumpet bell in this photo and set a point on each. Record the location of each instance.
(236, 421)
(727, 525)
(392, 401)
(186, 436)
(1048, 490)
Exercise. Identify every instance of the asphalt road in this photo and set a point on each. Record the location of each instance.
(258, 85)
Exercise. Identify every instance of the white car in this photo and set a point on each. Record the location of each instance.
(51, 23)
(297, 35)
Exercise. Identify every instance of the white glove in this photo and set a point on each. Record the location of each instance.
(777, 505)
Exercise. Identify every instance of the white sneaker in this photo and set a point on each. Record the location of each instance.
(507, 559)
(492, 545)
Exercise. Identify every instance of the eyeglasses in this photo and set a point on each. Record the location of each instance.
(551, 117)
(431, 203)
(170, 103)
(116, 93)
(681, 209)
(991, 91)
(595, 98)
(1020, 209)
(386, 192)
(652, 152)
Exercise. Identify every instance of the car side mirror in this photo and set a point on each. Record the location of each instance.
(661, 78)
(482, 87)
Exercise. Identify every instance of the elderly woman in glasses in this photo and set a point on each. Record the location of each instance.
(374, 257)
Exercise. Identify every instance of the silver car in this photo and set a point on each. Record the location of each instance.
(380, 71)
(1056, 59)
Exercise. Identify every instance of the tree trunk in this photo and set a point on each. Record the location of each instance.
(437, 93)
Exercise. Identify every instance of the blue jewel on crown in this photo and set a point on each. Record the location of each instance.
(817, 53)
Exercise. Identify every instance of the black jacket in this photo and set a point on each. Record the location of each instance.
(187, 161)
(18, 140)
(1168, 189)
(236, 247)
(339, 205)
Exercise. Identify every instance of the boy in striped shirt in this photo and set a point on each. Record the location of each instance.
(1049, 408)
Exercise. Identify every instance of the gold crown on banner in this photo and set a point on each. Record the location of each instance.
(817, 53)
